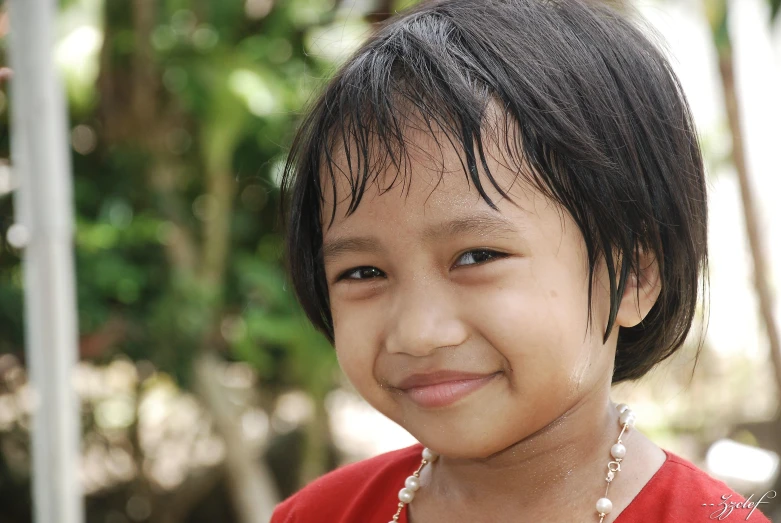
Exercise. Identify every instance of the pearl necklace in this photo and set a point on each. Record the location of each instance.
(626, 420)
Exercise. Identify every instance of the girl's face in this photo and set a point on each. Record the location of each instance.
(427, 277)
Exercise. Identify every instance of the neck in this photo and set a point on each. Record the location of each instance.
(559, 468)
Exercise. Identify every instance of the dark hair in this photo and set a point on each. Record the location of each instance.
(600, 116)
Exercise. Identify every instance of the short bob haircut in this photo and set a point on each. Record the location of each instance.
(600, 119)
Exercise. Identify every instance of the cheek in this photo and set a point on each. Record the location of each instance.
(355, 347)
(537, 320)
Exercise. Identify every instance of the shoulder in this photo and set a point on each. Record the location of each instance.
(680, 491)
(352, 492)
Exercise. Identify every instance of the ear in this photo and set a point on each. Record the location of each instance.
(641, 291)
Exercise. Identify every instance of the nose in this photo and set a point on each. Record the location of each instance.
(423, 317)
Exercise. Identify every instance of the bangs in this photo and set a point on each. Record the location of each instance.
(370, 134)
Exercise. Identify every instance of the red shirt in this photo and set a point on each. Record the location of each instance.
(366, 492)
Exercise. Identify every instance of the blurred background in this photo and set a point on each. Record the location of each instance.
(199, 377)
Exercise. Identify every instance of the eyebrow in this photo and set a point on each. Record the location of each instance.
(478, 224)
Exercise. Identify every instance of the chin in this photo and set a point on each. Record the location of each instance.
(461, 446)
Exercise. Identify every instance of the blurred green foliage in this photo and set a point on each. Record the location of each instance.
(180, 115)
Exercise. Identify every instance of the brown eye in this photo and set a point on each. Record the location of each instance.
(366, 273)
(481, 256)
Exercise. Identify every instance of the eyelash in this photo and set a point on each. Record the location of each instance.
(494, 256)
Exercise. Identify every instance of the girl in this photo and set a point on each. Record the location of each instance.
(496, 210)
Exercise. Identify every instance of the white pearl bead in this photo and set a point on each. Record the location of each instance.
(406, 495)
(621, 407)
(627, 418)
(429, 455)
(618, 451)
(412, 483)
(604, 506)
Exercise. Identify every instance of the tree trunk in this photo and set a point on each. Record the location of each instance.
(750, 212)
(314, 461)
(252, 485)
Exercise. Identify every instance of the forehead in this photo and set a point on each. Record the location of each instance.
(427, 172)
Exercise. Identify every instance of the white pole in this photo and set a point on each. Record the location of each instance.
(44, 228)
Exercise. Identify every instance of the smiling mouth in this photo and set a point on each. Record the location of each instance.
(446, 393)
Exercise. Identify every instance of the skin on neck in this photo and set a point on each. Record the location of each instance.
(554, 473)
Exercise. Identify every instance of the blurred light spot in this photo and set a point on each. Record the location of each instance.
(250, 86)
(254, 424)
(209, 451)
(121, 375)
(6, 179)
(254, 197)
(154, 405)
(15, 378)
(120, 464)
(175, 79)
(78, 45)
(205, 37)
(307, 13)
(730, 459)
(183, 21)
(164, 232)
(359, 429)
(293, 409)
(163, 38)
(138, 508)
(336, 41)
(237, 375)
(83, 139)
(204, 207)
(18, 236)
(93, 470)
(178, 140)
(87, 381)
(8, 412)
(281, 50)
(233, 328)
(256, 9)
(169, 467)
(184, 413)
(120, 214)
(115, 413)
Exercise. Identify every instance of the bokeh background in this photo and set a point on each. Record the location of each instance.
(200, 381)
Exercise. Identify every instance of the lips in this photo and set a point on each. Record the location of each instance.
(435, 378)
(443, 388)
